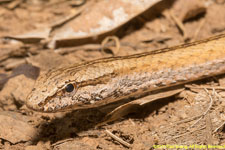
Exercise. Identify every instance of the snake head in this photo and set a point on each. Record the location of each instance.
(69, 88)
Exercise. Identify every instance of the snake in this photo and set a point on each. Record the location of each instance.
(107, 80)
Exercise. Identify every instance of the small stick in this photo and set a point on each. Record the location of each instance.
(175, 137)
(205, 87)
(219, 127)
(179, 24)
(117, 138)
(210, 105)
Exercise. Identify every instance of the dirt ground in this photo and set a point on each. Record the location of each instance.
(38, 35)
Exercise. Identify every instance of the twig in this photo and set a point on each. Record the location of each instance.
(179, 24)
(219, 127)
(188, 119)
(175, 137)
(210, 105)
(199, 29)
(117, 138)
(117, 44)
(62, 141)
(205, 87)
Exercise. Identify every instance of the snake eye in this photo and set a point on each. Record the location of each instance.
(69, 88)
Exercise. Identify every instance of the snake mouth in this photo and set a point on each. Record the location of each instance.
(33, 106)
(41, 107)
(35, 103)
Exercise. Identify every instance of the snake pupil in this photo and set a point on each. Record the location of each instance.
(69, 88)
